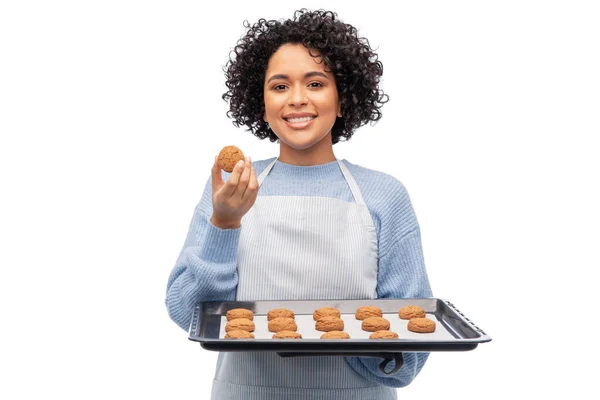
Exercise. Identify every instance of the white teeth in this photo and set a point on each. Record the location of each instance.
(296, 120)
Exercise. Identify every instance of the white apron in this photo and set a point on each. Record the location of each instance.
(302, 248)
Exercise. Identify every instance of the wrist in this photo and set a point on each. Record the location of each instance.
(224, 224)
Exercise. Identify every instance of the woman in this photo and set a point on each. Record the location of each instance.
(318, 228)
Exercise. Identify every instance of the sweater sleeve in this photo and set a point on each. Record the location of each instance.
(206, 268)
(402, 274)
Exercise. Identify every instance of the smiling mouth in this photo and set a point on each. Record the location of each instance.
(299, 120)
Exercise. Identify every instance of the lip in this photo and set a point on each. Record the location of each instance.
(299, 125)
(299, 115)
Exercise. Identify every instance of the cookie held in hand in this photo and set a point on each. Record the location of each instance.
(229, 157)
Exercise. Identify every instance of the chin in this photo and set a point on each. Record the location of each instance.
(298, 141)
(299, 145)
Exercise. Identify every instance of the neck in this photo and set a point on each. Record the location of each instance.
(319, 153)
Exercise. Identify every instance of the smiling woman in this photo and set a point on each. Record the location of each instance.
(303, 225)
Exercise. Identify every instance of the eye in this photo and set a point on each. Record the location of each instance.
(279, 87)
(315, 84)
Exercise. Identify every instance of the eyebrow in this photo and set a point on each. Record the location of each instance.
(307, 75)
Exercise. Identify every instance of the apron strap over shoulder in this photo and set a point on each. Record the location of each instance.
(352, 183)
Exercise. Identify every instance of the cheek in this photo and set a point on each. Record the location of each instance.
(271, 105)
(327, 101)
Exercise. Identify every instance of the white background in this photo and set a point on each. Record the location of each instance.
(111, 114)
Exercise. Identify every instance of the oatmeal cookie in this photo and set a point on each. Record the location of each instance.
(287, 335)
(242, 324)
(280, 313)
(228, 157)
(421, 325)
(368, 311)
(239, 313)
(335, 335)
(327, 324)
(410, 312)
(383, 335)
(326, 312)
(374, 324)
(282, 324)
(239, 334)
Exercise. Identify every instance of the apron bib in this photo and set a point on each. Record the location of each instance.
(302, 248)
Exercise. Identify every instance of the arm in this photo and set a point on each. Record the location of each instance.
(206, 267)
(402, 274)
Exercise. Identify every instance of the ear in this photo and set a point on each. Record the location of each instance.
(339, 110)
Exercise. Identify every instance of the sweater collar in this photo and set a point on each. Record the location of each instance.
(330, 170)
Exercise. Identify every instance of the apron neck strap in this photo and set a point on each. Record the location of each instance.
(352, 183)
(266, 171)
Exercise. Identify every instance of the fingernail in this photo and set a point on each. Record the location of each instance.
(240, 163)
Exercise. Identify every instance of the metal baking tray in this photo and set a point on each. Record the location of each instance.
(454, 331)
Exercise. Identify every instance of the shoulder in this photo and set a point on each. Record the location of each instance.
(387, 199)
(377, 185)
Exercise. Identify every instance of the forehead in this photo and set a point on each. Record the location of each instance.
(290, 58)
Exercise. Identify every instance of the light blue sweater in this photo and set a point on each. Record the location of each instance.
(206, 267)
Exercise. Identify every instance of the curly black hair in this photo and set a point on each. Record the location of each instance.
(355, 66)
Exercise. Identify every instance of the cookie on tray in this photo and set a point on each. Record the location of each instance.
(421, 325)
(326, 312)
(282, 324)
(242, 324)
(410, 312)
(287, 335)
(374, 324)
(327, 324)
(335, 335)
(383, 335)
(239, 313)
(239, 334)
(368, 311)
(280, 313)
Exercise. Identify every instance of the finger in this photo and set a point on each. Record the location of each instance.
(244, 179)
(229, 188)
(216, 177)
(252, 188)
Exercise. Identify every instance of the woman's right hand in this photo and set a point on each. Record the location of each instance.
(232, 199)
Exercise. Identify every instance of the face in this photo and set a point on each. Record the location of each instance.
(301, 100)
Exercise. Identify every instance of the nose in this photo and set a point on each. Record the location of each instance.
(297, 96)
